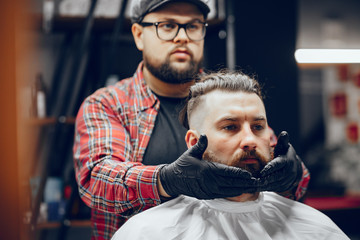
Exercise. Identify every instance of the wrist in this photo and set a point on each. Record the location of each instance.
(161, 189)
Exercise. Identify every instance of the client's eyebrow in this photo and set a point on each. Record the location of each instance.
(228, 118)
(235, 119)
(259, 118)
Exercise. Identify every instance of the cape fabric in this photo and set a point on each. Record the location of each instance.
(269, 217)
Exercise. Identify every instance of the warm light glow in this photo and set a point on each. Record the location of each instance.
(327, 55)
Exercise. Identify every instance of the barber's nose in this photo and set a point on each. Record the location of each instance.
(248, 139)
(181, 36)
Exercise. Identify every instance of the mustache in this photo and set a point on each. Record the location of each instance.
(251, 154)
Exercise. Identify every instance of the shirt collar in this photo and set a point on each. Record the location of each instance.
(147, 98)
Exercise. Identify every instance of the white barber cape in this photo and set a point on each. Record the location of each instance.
(269, 217)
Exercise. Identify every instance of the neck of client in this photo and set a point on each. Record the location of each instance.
(244, 197)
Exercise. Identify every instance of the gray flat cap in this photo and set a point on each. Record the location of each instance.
(142, 7)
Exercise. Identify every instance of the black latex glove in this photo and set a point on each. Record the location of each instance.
(192, 176)
(285, 170)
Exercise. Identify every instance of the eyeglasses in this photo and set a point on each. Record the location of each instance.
(167, 31)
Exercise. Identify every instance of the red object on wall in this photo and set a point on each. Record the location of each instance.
(338, 104)
(356, 79)
(343, 73)
(352, 132)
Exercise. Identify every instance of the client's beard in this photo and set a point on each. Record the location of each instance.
(166, 73)
(254, 168)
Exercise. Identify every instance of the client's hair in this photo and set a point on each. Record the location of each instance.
(225, 80)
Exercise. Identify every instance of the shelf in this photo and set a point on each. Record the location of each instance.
(51, 121)
(318, 65)
(61, 24)
(72, 223)
(334, 202)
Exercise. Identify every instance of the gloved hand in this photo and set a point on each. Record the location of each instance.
(285, 170)
(192, 176)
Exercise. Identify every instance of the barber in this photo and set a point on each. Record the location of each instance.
(129, 150)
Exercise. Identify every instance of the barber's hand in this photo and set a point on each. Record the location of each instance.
(285, 170)
(192, 176)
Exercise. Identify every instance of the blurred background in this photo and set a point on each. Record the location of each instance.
(54, 53)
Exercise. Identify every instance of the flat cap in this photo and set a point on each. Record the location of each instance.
(142, 7)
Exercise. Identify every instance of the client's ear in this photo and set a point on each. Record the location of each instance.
(191, 138)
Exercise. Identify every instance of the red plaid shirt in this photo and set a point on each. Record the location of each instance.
(113, 129)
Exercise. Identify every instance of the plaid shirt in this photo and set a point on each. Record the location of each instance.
(113, 129)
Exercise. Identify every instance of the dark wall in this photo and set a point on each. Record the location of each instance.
(265, 45)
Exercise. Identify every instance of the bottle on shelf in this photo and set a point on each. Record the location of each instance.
(48, 15)
(39, 97)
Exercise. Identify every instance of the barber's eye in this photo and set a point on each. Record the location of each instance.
(193, 26)
(167, 26)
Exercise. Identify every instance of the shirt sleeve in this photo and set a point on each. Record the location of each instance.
(109, 178)
(303, 184)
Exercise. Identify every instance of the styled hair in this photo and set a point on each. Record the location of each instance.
(225, 80)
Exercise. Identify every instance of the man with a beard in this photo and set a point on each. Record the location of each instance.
(126, 134)
(228, 125)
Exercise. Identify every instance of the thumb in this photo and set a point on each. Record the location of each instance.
(199, 148)
(282, 144)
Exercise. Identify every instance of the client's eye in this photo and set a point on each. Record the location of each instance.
(230, 127)
(258, 127)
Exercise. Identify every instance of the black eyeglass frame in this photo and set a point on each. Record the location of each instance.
(184, 26)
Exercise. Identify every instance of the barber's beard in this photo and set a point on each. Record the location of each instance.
(170, 74)
(238, 161)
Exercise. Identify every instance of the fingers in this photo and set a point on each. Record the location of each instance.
(199, 148)
(234, 186)
(229, 171)
(282, 144)
(276, 185)
(274, 166)
(283, 138)
(222, 182)
(278, 181)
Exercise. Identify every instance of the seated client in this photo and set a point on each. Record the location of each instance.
(227, 124)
